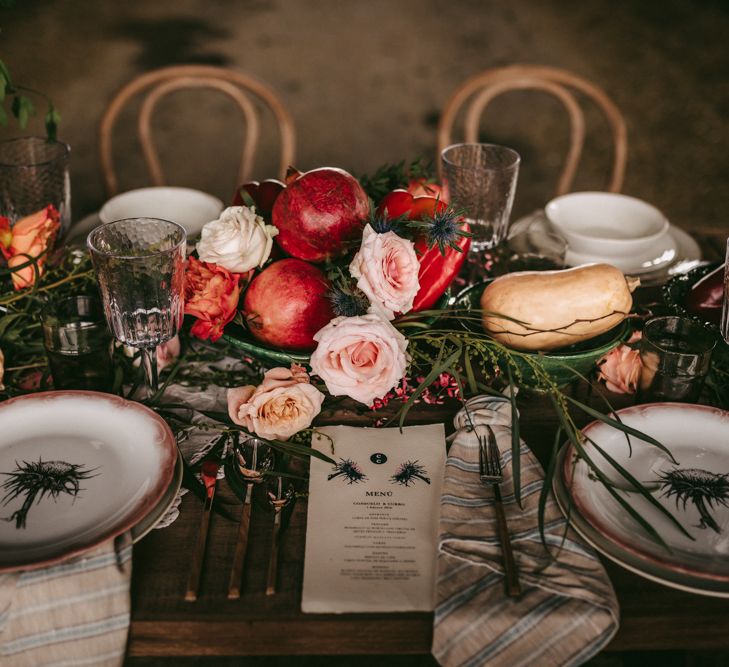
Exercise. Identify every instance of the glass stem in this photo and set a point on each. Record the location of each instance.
(149, 361)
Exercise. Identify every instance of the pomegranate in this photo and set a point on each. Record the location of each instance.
(262, 195)
(320, 214)
(286, 304)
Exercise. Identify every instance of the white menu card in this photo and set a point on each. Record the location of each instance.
(372, 526)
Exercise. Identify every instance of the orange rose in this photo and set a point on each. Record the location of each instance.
(211, 295)
(28, 239)
(620, 368)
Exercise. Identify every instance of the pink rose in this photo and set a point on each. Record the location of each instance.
(386, 268)
(360, 357)
(620, 368)
(281, 406)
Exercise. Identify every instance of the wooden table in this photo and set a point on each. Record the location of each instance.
(654, 617)
(163, 624)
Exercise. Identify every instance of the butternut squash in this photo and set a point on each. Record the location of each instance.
(546, 310)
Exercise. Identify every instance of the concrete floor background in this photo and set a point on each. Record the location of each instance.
(365, 82)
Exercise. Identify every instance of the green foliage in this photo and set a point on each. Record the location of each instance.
(22, 106)
(392, 176)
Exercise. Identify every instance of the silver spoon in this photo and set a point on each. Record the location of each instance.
(252, 457)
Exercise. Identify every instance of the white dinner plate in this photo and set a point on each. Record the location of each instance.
(696, 436)
(146, 525)
(687, 254)
(76, 469)
(660, 255)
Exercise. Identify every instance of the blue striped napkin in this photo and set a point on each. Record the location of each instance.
(73, 614)
(567, 612)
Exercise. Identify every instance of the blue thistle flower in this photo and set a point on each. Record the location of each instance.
(348, 302)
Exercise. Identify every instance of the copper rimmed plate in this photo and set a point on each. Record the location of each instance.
(76, 469)
(694, 489)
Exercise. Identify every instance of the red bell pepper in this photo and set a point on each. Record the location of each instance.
(441, 246)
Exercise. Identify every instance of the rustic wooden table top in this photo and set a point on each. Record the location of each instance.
(653, 617)
(164, 624)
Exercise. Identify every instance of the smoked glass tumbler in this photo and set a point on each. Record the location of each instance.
(34, 172)
(139, 264)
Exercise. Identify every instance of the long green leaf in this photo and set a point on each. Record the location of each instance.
(470, 376)
(621, 426)
(302, 451)
(575, 440)
(544, 493)
(515, 440)
(438, 368)
(639, 488)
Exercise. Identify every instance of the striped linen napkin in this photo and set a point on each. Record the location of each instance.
(567, 612)
(73, 614)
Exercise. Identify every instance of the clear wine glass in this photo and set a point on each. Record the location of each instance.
(480, 179)
(139, 264)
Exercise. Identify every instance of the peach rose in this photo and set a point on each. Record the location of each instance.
(361, 357)
(211, 295)
(386, 268)
(620, 368)
(28, 238)
(281, 406)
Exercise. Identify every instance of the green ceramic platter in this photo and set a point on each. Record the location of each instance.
(563, 365)
(242, 340)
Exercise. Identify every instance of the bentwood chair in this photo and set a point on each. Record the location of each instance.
(241, 88)
(476, 93)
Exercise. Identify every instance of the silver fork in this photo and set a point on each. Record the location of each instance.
(489, 460)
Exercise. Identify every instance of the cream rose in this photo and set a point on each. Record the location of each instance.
(281, 406)
(361, 357)
(386, 268)
(239, 240)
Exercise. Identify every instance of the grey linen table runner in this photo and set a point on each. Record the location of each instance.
(73, 614)
(567, 611)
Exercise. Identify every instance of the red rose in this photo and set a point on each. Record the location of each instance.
(211, 295)
(28, 239)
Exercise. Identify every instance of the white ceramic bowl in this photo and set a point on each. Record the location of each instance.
(606, 223)
(190, 208)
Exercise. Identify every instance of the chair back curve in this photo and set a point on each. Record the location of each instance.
(158, 83)
(474, 94)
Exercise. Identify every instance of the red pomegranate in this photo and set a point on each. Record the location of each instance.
(320, 214)
(286, 304)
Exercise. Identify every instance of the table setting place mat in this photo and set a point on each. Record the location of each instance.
(567, 611)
